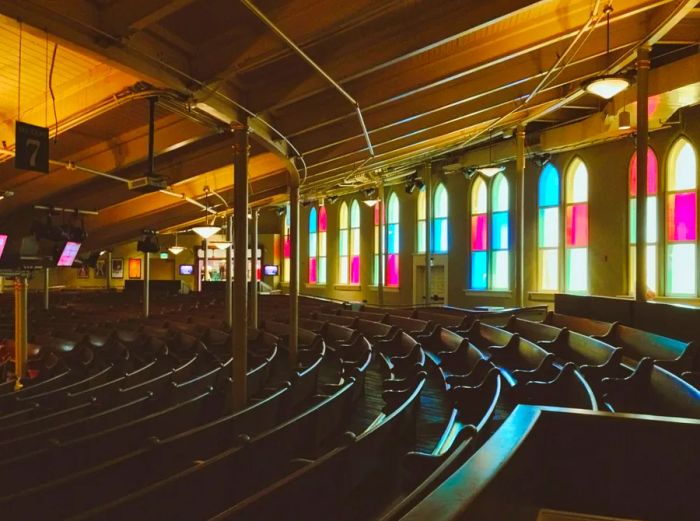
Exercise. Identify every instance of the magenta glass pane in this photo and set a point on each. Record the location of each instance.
(355, 270)
(479, 232)
(652, 174)
(392, 270)
(682, 212)
(322, 220)
(376, 214)
(577, 225)
(287, 247)
(312, 271)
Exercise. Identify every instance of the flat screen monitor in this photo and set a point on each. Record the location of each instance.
(70, 250)
(186, 269)
(3, 241)
(270, 270)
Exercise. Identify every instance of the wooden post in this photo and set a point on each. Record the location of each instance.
(229, 273)
(20, 329)
(206, 261)
(519, 228)
(253, 268)
(146, 283)
(643, 64)
(428, 228)
(294, 276)
(239, 334)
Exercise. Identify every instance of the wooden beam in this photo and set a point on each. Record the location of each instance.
(123, 17)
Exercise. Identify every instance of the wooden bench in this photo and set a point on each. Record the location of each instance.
(585, 326)
(412, 326)
(568, 389)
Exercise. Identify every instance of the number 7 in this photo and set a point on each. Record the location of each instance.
(35, 144)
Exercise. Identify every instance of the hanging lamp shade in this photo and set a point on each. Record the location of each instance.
(371, 202)
(607, 86)
(490, 171)
(175, 250)
(206, 231)
(222, 245)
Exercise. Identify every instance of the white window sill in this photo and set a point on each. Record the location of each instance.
(541, 296)
(388, 289)
(488, 293)
(314, 286)
(348, 287)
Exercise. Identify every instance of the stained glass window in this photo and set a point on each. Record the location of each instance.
(317, 245)
(286, 246)
(421, 219)
(322, 245)
(440, 238)
(355, 242)
(652, 219)
(343, 244)
(548, 199)
(681, 220)
(479, 235)
(378, 238)
(576, 227)
(392, 239)
(500, 236)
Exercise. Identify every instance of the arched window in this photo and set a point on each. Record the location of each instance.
(343, 244)
(440, 239)
(313, 246)
(500, 236)
(652, 219)
(681, 220)
(576, 234)
(421, 219)
(392, 249)
(322, 231)
(355, 243)
(548, 200)
(286, 246)
(378, 236)
(479, 234)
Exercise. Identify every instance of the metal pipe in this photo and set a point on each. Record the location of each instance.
(643, 65)
(229, 272)
(520, 215)
(253, 268)
(67, 210)
(20, 329)
(205, 276)
(146, 284)
(46, 289)
(239, 334)
(257, 12)
(382, 231)
(151, 134)
(294, 276)
(108, 278)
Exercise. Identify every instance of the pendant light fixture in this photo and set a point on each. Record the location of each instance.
(490, 170)
(175, 249)
(607, 86)
(207, 230)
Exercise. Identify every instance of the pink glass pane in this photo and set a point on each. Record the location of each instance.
(682, 212)
(355, 270)
(577, 225)
(376, 214)
(322, 220)
(287, 247)
(652, 174)
(479, 232)
(258, 273)
(392, 270)
(312, 271)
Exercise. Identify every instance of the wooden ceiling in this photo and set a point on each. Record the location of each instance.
(430, 76)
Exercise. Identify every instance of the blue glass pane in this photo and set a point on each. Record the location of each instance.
(392, 238)
(479, 270)
(313, 221)
(549, 186)
(440, 235)
(499, 235)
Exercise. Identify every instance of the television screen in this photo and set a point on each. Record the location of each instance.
(3, 241)
(270, 270)
(186, 269)
(70, 250)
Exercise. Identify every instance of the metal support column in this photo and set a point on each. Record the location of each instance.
(229, 272)
(146, 284)
(21, 333)
(205, 245)
(521, 296)
(239, 334)
(643, 64)
(428, 228)
(253, 304)
(108, 275)
(294, 275)
(46, 289)
(381, 266)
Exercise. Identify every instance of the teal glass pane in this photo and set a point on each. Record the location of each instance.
(392, 238)
(343, 243)
(440, 204)
(420, 239)
(287, 217)
(633, 221)
(681, 270)
(549, 270)
(577, 269)
(548, 233)
(578, 183)
(322, 270)
(322, 244)
(499, 233)
(313, 221)
(440, 235)
(683, 172)
(500, 194)
(393, 209)
(355, 215)
(313, 242)
(652, 220)
(500, 276)
(343, 264)
(375, 271)
(549, 189)
(355, 242)
(479, 270)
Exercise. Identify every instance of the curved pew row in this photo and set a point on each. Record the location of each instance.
(573, 451)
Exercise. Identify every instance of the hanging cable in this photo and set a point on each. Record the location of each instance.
(19, 72)
(53, 96)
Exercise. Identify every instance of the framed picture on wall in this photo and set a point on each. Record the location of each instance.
(83, 272)
(101, 269)
(134, 268)
(117, 268)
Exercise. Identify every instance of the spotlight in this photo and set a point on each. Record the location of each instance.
(410, 187)
(332, 199)
(281, 210)
(419, 184)
(542, 159)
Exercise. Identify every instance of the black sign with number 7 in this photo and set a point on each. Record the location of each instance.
(31, 147)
